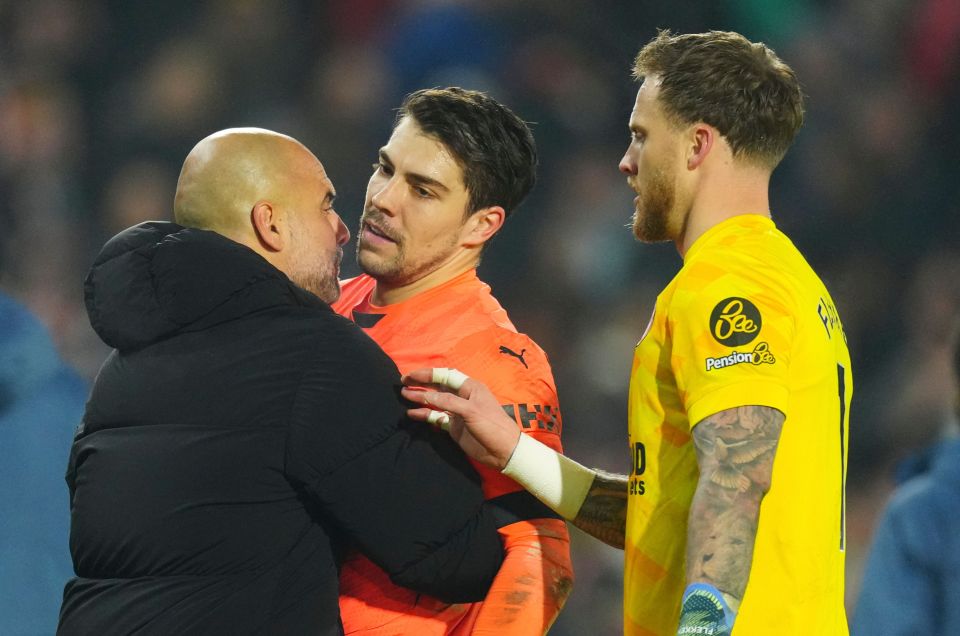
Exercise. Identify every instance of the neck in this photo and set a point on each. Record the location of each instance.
(725, 196)
(389, 293)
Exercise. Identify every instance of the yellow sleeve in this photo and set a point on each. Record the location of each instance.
(732, 330)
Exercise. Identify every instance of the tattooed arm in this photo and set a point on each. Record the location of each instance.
(604, 511)
(735, 451)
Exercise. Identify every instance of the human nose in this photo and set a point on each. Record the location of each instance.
(384, 194)
(627, 165)
(343, 233)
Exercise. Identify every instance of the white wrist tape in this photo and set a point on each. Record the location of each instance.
(559, 482)
(450, 378)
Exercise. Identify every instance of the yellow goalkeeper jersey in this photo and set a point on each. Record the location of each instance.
(746, 321)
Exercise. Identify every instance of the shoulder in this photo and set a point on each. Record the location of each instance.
(938, 488)
(734, 273)
(511, 364)
(347, 398)
(314, 340)
(467, 312)
(340, 335)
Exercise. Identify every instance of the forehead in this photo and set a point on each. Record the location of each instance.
(412, 150)
(312, 171)
(646, 108)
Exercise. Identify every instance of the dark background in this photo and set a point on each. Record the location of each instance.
(101, 100)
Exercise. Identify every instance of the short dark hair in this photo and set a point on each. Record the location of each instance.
(739, 87)
(494, 148)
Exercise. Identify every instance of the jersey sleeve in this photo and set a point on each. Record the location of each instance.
(517, 372)
(732, 325)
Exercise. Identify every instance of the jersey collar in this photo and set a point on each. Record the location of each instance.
(754, 222)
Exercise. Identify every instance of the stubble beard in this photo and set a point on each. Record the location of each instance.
(375, 266)
(651, 218)
(398, 270)
(319, 277)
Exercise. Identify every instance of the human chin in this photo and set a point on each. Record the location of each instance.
(651, 220)
(377, 265)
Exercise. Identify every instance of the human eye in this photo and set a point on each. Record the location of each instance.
(422, 192)
(384, 168)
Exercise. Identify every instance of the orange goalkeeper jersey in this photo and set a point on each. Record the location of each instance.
(460, 324)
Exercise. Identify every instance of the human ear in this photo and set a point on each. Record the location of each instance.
(702, 138)
(483, 224)
(267, 225)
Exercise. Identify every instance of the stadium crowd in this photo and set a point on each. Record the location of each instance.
(100, 101)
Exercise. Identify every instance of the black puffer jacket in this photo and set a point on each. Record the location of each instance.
(238, 433)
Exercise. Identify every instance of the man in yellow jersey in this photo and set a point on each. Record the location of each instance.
(732, 517)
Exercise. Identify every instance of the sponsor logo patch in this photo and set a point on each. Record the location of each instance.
(735, 322)
(518, 356)
(761, 354)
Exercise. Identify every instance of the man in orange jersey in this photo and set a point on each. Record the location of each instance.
(455, 167)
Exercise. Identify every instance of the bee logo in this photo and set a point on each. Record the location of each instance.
(762, 355)
(735, 322)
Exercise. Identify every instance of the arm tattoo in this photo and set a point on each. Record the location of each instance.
(735, 451)
(604, 511)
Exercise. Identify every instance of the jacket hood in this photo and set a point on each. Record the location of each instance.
(27, 354)
(158, 279)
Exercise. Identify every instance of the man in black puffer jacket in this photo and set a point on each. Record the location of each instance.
(241, 430)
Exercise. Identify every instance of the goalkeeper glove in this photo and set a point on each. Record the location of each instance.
(704, 611)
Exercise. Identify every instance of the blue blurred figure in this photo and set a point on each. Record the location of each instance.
(911, 584)
(41, 403)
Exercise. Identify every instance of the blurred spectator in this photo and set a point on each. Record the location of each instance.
(41, 403)
(912, 579)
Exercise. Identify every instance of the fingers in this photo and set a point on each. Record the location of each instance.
(439, 418)
(450, 378)
(436, 399)
(419, 376)
(433, 401)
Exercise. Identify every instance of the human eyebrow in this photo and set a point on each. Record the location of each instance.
(414, 178)
(421, 180)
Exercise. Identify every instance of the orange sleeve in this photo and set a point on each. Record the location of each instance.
(537, 574)
(517, 372)
(533, 583)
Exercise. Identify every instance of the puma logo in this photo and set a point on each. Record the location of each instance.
(518, 356)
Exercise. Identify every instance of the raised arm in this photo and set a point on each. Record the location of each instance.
(595, 501)
(402, 493)
(735, 453)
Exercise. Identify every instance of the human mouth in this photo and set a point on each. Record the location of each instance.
(376, 233)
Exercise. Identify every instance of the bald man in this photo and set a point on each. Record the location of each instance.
(241, 432)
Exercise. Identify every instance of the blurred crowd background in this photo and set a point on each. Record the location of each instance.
(101, 100)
